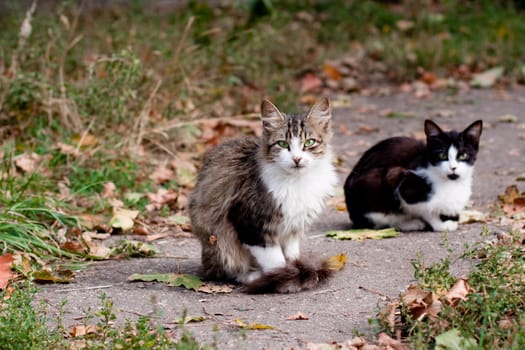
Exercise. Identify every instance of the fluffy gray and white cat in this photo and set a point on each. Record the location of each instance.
(255, 198)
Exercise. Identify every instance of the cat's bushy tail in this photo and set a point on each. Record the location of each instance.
(296, 276)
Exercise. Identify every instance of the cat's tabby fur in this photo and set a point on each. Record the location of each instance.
(255, 197)
(412, 185)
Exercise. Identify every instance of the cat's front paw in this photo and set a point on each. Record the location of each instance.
(448, 225)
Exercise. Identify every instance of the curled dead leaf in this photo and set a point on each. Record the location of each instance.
(123, 219)
(458, 292)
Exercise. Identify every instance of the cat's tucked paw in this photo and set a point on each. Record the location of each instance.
(412, 225)
(448, 225)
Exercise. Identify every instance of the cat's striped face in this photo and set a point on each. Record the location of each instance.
(295, 142)
(453, 153)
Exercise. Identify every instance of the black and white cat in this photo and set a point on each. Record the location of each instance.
(404, 183)
(255, 198)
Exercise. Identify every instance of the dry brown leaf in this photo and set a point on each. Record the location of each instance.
(67, 149)
(298, 316)
(458, 292)
(385, 339)
(420, 302)
(310, 82)
(80, 330)
(27, 162)
(511, 193)
(162, 175)
(161, 198)
(109, 190)
(95, 249)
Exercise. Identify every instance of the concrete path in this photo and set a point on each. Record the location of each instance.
(376, 270)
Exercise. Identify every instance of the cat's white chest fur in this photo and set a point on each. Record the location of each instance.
(448, 198)
(300, 194)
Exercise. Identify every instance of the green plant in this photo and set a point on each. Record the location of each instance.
(24, 326)
(492, 314)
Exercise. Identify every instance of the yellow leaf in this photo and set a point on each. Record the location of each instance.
(251, 326)
(337, 262)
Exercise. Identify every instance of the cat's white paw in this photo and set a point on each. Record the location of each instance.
(448, 225)
(412, 225)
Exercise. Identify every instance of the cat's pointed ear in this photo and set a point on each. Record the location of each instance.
(270, 115)
(432, 129)
(321, 110)
(473, 132)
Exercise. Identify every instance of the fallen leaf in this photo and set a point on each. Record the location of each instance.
(458, 292)
(27, 162)
(177, 220)
(162, 175)
(297, 316)
(213, 288)
(251, 326)
(81, 330)
(179, 280)
(420, 302)
(97, 250)
(507, 118)
(310, 82)
(471, 216)
(511, 193)
(362, 234)
(192, 319)
(68, 149)
(487, 78)
(133, 248)
(53, 276)
(391, 343)
(452, 340)
(123, 219)
(331, 71)
(85, 140)
(161, 198)
(109, 190)
(337, 262)
(6, 261)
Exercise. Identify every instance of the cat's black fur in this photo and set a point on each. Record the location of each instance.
(390, 171)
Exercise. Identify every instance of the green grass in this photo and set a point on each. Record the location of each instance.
(492, 316)
(122, 76)
(24, 326)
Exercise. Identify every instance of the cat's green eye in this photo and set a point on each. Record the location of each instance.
(443, 156)
(283, 144)
(309, 143)
(463, 156)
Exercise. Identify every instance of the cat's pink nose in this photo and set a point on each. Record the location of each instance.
(296, 160)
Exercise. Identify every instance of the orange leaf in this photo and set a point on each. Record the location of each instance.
(6, 274)
(332, 72)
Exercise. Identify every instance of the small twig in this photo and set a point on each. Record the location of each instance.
(183, 39)
(143, 118)
(84, 134)
(66, 290)
(178, 124)
(327, 291)
(386, 297)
